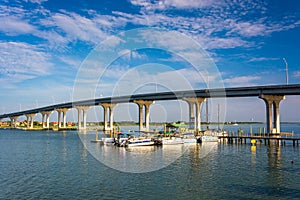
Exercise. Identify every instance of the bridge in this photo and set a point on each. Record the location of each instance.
(272, 95)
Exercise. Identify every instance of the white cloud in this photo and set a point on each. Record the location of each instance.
(241, 81)
(296, 74)
(77, 27)
(178, 4)
(258, 59)
(14, 26)
(36, 1)
(71, 61)
(226, 43)
(21, 61)
(248, 29)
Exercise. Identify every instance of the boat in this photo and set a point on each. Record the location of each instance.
(208, 138)
(211, 136)
(172, 140)
(108, 141)
(97, 140)
(189, 138)
(122, 139)
(139, 142)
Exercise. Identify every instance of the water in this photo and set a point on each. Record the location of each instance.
(47, 165)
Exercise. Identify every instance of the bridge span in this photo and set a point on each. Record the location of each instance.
(272, 95)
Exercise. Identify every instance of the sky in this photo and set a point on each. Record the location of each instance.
(48, 48)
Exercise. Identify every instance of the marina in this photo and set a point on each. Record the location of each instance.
(66, 168)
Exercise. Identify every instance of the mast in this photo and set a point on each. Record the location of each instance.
(218, 116)
(207, 126)
(286, 71)
(207, 122)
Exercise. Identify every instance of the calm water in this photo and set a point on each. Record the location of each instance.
(47, 165)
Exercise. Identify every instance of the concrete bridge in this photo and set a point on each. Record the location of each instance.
(272, 95)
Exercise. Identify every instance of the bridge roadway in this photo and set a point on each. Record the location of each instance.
(271, 94)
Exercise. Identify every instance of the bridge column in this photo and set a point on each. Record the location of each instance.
(142, 104)
(199, 101)
(195, 119)
(30, 118)
(277, 113)
(58, 118)
(64, 113)
(45, 118)
(13, 121)
(108, 107)
(272, 112)
(82, 109)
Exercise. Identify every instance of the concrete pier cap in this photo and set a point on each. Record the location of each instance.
(141, 61)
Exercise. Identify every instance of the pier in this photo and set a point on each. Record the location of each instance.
(261, 139)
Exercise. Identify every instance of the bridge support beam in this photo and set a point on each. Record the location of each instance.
(13, 122)
(82, 110)
(195, 117)
(272, 112)
(46, 119)
(64, 115)
(142, 104)
(108, 107)
(30, 118)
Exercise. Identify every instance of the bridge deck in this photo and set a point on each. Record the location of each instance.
(173, 95)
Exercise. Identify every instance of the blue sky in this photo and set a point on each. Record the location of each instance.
(44, 43)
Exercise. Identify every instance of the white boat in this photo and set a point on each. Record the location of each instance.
(108, 141)
(208, 138)
(172, 140)
(189, 138)
(211, 136)
(139, 142)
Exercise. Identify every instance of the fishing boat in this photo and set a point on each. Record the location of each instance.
(139, 142)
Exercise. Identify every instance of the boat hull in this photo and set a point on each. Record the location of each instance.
(143, 142)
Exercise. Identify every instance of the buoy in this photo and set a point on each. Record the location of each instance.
(292, 161)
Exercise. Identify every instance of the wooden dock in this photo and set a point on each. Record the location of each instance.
(260, 139)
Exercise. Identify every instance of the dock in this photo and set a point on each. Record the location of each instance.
(266, 139)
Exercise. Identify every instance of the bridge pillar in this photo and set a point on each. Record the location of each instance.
(30, 118)
(142, 104)
(108, 107)
(195, 119)
(272, 112)
(13, 121)
(64, 113)
(82, 109)
(45, 118)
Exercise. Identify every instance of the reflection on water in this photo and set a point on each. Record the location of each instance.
(273, 151)
(142, 159)
(56, 165)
